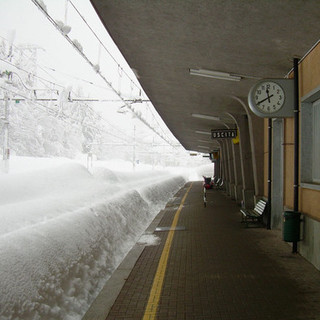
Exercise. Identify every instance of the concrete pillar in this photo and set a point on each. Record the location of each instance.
(237, 173)
(225, 173)
(248, 189)
(246, 162)
(228, 144)
(277, 174)
(217, 170)
(256, 131)
(256, 136)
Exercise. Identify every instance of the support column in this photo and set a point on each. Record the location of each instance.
(256, 131)
(237, 173)
(246, 162)
(217, 165)
(277, 174)
(228, 144)
(248, 189)
(256, 135)
(224, 170)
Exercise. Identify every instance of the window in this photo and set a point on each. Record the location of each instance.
(310, 140)
(316, 142)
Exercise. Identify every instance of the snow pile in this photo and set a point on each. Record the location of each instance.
(63, 231)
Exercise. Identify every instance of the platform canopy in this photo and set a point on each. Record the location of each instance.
(167, 40)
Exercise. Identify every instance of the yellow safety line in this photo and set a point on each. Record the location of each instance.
(151, 309)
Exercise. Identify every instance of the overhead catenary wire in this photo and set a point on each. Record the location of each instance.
(63, 117)
(73, 99)
(54, 70)
(86, 81)
(19, 68)
(53, 111)
(42, 67)
(80, 51)
(19, 48)
(63, 87)
(102, 44)
(19, 95)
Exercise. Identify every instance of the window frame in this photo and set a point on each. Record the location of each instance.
(316, 142)
(308, 129)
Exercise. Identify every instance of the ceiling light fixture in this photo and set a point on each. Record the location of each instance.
(203, 147)
(215, 74)
(205, 116)
(203, 132)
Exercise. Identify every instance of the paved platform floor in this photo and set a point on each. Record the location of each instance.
(218, 269)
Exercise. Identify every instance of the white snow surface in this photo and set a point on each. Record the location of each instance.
(64, 230)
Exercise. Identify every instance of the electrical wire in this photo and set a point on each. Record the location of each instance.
(54, 90)
(80, 51)
(64, 117)
(122, 70)
(19, 68)
(42, 67)
(89, 108)
(55, 84)
(102, 44)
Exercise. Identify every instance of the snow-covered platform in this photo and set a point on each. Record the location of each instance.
(215, 269)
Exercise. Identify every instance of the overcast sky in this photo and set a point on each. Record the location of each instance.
(31, 26)
(22, 21)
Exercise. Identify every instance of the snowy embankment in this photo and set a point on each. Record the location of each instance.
(63, 231)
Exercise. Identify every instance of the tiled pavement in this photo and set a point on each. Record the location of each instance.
(218, 269)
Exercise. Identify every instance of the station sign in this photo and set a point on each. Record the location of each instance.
(223, 133)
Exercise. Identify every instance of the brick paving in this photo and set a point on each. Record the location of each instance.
(218, 269)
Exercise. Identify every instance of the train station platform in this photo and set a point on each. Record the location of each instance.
(208, 265)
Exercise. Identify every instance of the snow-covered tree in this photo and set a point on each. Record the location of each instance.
(60, 127)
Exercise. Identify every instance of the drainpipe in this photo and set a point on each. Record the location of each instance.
(269, 172)
(296, 144)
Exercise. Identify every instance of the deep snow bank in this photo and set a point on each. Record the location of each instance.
(63, 232)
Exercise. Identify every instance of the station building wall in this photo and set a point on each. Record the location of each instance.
(309, 190)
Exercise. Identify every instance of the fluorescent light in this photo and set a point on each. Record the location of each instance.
(203, 132)
(205, 116)
(214, 74)
(203, 147)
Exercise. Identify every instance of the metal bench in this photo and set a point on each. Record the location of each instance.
(218, 184)
(204, 196)
(255, 215)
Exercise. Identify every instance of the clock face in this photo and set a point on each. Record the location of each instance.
(269, 97)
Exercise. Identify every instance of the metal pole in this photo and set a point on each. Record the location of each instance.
(269, 172)
(5, 152)
(134, 149)
(296, 144)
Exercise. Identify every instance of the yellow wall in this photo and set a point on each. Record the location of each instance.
(288, 166)
(309, 72)
(309, 200)
(265, 158)
(310, 203)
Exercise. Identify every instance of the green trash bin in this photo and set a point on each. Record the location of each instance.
(291, 226)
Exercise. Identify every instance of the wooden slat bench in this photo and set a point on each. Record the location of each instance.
(256, 214)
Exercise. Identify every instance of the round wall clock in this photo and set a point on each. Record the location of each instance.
(269, 97)
(272, 98)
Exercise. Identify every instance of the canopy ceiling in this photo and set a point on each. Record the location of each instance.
(162, 40)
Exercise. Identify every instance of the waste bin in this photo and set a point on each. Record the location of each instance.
(291, 226)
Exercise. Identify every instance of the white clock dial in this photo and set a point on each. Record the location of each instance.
(269, 97)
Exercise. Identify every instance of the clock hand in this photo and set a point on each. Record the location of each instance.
(268, 95)
(267, 98)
